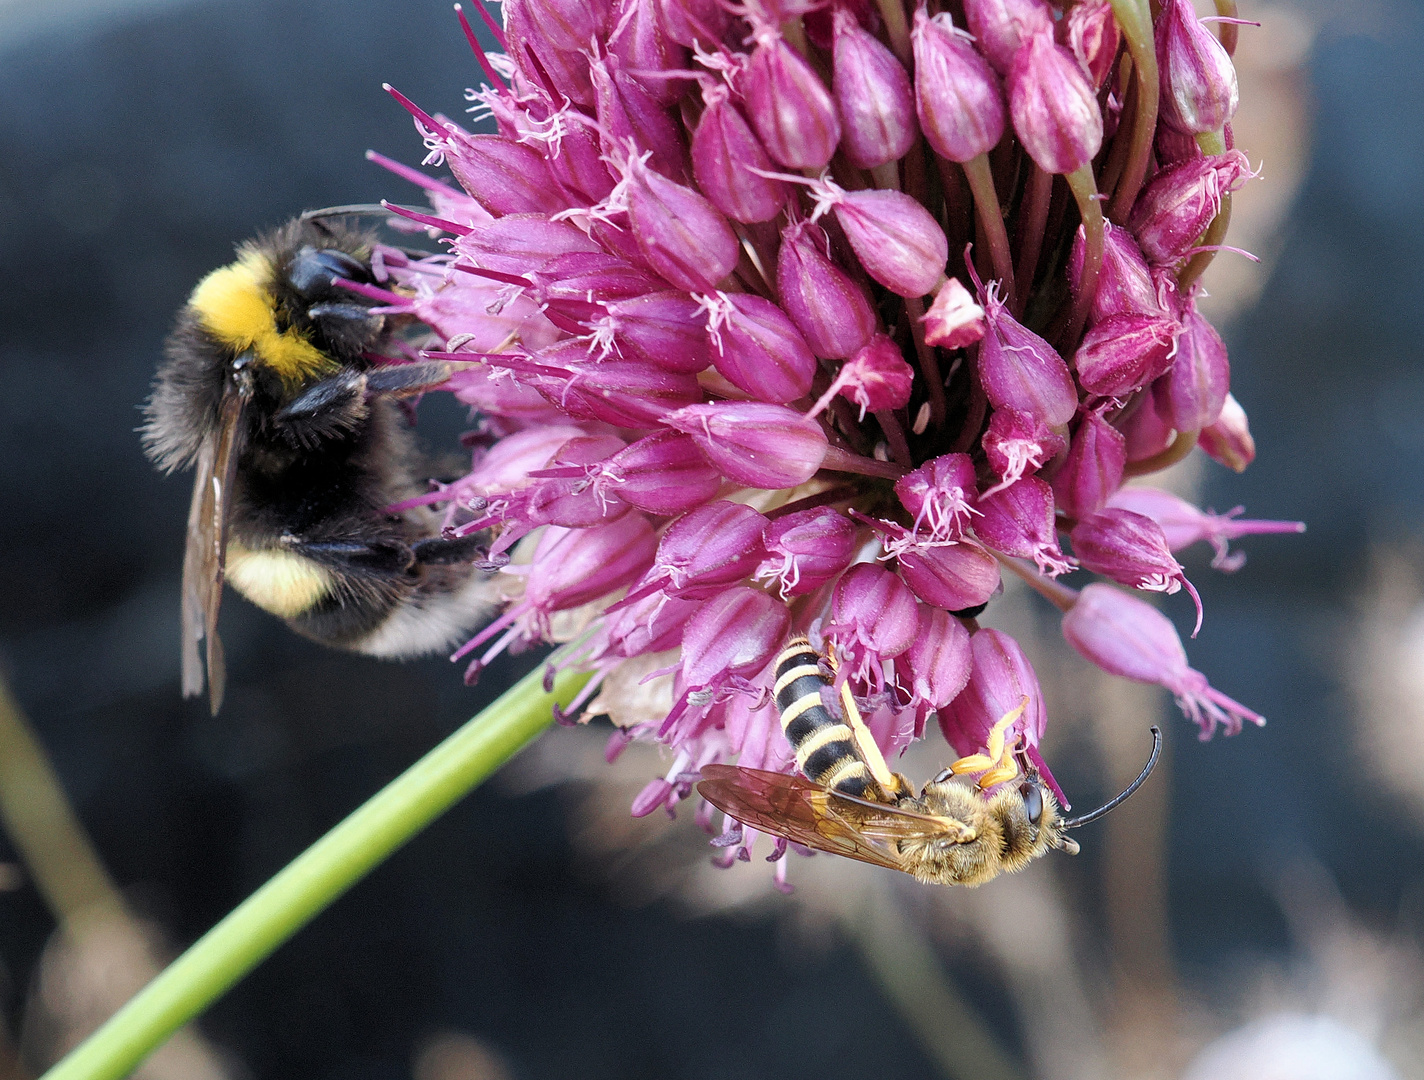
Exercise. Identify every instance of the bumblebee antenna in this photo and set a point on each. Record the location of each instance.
(350, 210)
(1093, 815)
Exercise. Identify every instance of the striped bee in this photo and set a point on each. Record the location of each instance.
(847, 801)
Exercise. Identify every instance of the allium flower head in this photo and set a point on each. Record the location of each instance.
(705, 282)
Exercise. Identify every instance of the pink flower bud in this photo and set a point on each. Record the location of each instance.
(506, 465)
(1132, 550)
(957, 95)
(1093, 35)
(668, 329)
(566, 498)
(565, 24)
(1183, 524)
(1017, 444)
(1145, 433)
(734, 633)
(757, 348)
(1199, 92)
(663, 473)
(1092, 471)
(1125, 284)
(1122, 353)
(680, 233)
(725, 155)
(573, 567)
(628, 113)
(573, 288)
(517, 243)
(1020, 370)
(825, 304)
(1130, 638)
(625, 393)
(954, 320)
(789, 106)
(653, 624)
(575, 159)
(873, 96)
(1191, 395)
(806, 549)
(752, 443)
(873, 614)
(641, 44)
(940, 495)
(705, 550)
(691, 21)
(1229, 439)
(876, 378)
(1054, 109)
(504, 176)
(896, 239)
(1180, 202)
(940, 659)
(1001, 26)
(955, 576)
(1019, 520)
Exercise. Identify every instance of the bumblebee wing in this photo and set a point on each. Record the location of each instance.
(205, 551)
(794, 808)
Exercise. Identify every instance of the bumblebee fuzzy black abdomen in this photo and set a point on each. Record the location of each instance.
(825, 747)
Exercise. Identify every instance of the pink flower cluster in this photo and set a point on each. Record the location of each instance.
(810, 316)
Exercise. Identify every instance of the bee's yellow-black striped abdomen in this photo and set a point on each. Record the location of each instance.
(825, 747)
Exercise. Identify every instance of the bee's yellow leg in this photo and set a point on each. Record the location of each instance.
(1000, 756)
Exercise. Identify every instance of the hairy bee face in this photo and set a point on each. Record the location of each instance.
(1017, 824)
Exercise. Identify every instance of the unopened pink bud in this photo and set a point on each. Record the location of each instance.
(668, 329)
(873, 96)
(504, 176)
(1092, 471)
(1000, 27)
(734, 633)
(565, 24)
(641, 44)
(896, 239)
(1145, 433)
(628, 113)
(873, 613)
(1229, 439)
(1054, 109)
(707, 549)
(825, 304)
(954, 320)
(958, 98)
(940, 495)
(691, 21)
(1021, 371)
(1019, 520)
(806, 549)
(1199, 92)
(680, 233)
(1180, 202)
(1125, 284)
(573, 288)
(876, 378)
(756, 444)
(1183, 524)
(726, 157)
(1018, 444)
(1132, 550)
(1127, 637)
(576, 161)
(517, 243)
(1123, 353)
(789, 106)
(1191, 395)
(625, 393)
(1093, 35)
(940, 659)
(956, 576)
(573, 567)
(663, 473)
(757, 348)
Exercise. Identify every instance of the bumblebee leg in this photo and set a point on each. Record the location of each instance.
(438, 551)
(384, 557)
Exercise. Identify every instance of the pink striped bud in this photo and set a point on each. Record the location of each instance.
(789, 106)
(705, 550)
(1093, 36)
(873, 96)
(939, 661)
(1054, 109)
(1000, 27)
(957, 576)
(1183, 524)
(1018, 444)
(506, 465)
(873, 614)
(876, 378)
(690, 21)
(1092, 471)
(628, 113)
(1180, 202)
(575, 159)
(517, 243)
(806, 549)
(562, 495)
(653, 624)
(663, 473)
(573, 567)
(1229, 439)
(1127, 637)
(1132, 550)
(1125, 284)
(752, 443)
(1191, 395)
(896, 239)
(1123, 353)
(573, 288)
(504, 176)
(825, 304)
(1145, 433)
(1019, 520)
(668, 329)
(757, 348)
(641, 44)
(954, 320)
(958, 98)
(1199, 92)
(733, 634)
(1020, 370)
(940, 495)
(680, 233)
(565, 24)
(1000, 679)
(624, 393)
(725, 155)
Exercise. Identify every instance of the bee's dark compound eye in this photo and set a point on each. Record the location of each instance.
(1033, 802)
(311, 270)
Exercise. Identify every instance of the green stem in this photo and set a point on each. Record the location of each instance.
(1179, 448)
(1134, 18)
(898, 31)
(1090, 207)
(1227, 32)
(1211, 143)
(986, 202)
(317, 877)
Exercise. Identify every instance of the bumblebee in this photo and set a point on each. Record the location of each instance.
(275, 388)
(847, 802)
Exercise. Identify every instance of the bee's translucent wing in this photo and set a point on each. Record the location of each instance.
(795, 808)
(206, 549)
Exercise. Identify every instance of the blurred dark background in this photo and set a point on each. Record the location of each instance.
(137, 143)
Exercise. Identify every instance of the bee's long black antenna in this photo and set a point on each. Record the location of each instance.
(350, 210)
(1093, 815)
